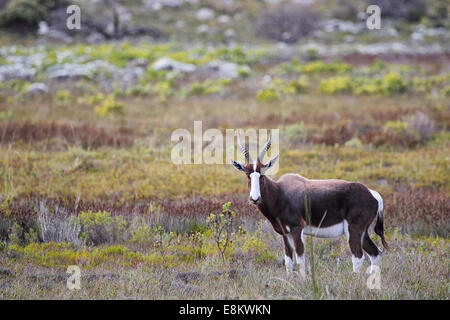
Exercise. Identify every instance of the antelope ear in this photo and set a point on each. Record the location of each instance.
(238, 165)
(269, 164)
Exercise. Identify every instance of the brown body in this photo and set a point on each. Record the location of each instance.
(284, 200)
(330, 202)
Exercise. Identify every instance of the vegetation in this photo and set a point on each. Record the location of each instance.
(86, 176)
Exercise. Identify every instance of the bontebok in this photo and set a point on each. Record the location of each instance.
(296, 206)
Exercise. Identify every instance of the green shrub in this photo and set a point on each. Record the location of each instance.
(370, 88)
(335, 85)
(141, 235)
(393, 83)
(322, 67)
(63, 96)
(236, 55)
(301, 85)
(99, 227)
(136, 91)
(354, 143)
(110, 106)
(25, 15)
(207, 87)
(446, 92)
(16, 234)
(296, 133)
(317, 67)
(221, 227)
(399, 133)
(268, 95)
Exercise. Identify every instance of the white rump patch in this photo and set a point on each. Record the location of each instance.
(333, 231)
(378, 197)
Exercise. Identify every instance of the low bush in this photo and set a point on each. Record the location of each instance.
(393, 83)
(110, 106)
(99, 227)
(268, 95)
(287, 23)
(333, 85)
(25, 15)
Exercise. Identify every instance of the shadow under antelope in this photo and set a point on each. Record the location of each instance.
(334, 208)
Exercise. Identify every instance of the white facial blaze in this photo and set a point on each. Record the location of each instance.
(254, 186)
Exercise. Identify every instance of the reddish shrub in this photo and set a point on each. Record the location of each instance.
(84, 135)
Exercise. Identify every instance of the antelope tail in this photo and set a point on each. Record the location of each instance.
(379, 228)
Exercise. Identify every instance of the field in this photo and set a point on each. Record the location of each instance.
(86, 176)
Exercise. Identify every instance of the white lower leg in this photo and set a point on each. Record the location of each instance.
(357, 263)
(289, 264)
(375, 262)
(301, 265)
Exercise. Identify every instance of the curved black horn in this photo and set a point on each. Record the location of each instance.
(266, 147)
(243, 149)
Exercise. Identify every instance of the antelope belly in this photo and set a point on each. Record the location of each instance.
(333, 231)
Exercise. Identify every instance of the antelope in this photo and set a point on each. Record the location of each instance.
(296, 206)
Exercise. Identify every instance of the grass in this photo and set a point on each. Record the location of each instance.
(415, 269)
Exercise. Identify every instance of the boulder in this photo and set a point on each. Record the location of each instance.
(223, 19)
(170, 64)
(204, 14)
(203, 29)
(37, 89)
(223, 69)
(16, 71)
(74, 71)
(229, 33)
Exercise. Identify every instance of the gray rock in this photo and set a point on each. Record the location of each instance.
(202, 29)
(128, 77)
(180, 24)
(421, 32)
(76, 71)
(37, 89)
(139, 62)
(59, 36)
(223, 69)
(159, 4)
(229, 33)
(343, 26)
(43, 28)
(16, 71)
(204, 14)
(223, 19)
(170, 64)
(95, 37)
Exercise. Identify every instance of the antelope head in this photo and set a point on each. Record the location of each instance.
(255, 170)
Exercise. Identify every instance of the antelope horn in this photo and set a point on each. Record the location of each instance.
(266, 147)
(243, 149)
